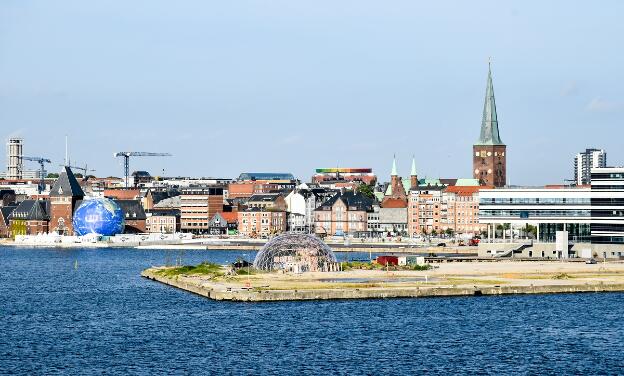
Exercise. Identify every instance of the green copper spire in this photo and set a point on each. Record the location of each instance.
(413, 173)
(394, 169)
(489, 124)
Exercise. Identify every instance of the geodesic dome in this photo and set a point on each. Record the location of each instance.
(296, 252)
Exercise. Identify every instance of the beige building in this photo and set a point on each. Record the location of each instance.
(197, 207)
(344, 214)
(424, 210)
(260, 222)
(162, 223)
(462, 210)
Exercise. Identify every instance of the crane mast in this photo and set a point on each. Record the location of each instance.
(126, 156)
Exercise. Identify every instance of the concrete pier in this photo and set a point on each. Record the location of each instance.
(239, 292)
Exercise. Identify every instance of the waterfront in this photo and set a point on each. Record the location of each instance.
(88, 311)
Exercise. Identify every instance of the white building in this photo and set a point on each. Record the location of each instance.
(300, 205)
(585, 161)
(592, 216)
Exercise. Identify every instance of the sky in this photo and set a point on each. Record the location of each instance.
(289, 86)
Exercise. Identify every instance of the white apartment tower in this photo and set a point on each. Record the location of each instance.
(15, 148)
(585, 161)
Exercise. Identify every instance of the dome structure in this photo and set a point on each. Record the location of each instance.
(99, 216)
(296, 253)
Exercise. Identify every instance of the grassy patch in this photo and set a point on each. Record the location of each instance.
(365, 265)
(205, 268)
(562, 276)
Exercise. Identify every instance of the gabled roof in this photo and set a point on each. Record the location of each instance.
(351, 200)
(169, 203)
(6, 211)
(217, 220)
(231, 217)
(31, 210)
(66, 185)
(132, 209)
(489, 123)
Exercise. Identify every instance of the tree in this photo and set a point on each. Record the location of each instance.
(366, 190)
(52, 175)
(449, 231)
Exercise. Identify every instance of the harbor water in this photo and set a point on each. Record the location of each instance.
(87, 311)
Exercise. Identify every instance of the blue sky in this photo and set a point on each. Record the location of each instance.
(234, 86)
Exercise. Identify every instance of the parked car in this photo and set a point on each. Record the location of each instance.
(591, 261)
(441, 244)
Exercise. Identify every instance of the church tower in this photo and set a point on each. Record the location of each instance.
(413, 175)
(489, 159)
(64, 197)
(395, 195)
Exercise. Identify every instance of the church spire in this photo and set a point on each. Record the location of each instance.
(394, 167)
(489, 123)
(413, 175)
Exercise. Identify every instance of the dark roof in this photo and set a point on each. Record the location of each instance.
(67, 185)
(31, 210)
(141, 174)
(132, 209)
(448, 181)
(4, 192)
(430, 187)
(6, 212)
(350, 199)
(265, 197)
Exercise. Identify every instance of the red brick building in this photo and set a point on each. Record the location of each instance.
(64, 195)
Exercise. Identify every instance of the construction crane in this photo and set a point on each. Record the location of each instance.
(127, 154)
(84, 169)
(42, 162)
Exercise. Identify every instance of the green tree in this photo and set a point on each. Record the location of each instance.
(366, 190)
(52, 175)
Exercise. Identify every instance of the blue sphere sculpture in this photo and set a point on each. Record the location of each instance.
(99, 216)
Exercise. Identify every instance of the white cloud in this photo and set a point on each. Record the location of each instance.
(601, 105)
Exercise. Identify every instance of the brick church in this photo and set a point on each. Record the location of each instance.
(489, 159)
(65, 195)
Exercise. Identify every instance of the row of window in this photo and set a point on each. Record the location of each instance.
(535, 201)
(534, 213)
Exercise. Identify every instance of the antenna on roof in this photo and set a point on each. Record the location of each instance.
(66, 152)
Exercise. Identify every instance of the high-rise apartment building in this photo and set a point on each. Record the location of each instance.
(15, 150)
(585, 161)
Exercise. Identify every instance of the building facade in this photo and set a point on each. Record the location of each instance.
(197, 207)
(489, 159)
(585, 161)
(460, 210)
(424, 210)
(256, 222)
(344, 214)
(65, 195)
(591, 215)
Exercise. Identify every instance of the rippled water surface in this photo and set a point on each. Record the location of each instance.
(85, 311)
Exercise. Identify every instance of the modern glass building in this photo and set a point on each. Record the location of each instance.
(590, 214)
